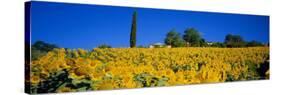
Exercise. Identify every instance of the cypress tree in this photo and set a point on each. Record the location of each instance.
(133, 31)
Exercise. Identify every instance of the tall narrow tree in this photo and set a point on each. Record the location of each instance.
(133, 31)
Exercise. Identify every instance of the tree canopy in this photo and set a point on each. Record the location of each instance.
(254, 43)
(41, 48)
(234, 41)
(174, 39)
(104, 46)
(192, 36)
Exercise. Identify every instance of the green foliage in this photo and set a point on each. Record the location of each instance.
(203, 43)
(142, 78)
(52, 83)
(263, 70)
(252, 73)
(40, 48)
(133, 31)
(230, 78)
(148, 80)
(192, 36)
(173, 38)
(141, 46)
(254, 44)
(218, 44)
(35, 54)
(60, 80)
(162, 81)
(104, 46)
(234, 41)
(176, 67)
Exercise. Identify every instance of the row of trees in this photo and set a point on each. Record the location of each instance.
(238, 41)
(193, 38)
(40, 48)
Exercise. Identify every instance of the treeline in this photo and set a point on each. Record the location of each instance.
(40, 48)
(193, 38)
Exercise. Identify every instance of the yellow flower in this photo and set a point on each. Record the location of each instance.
(64, 89)
(35, 79)
(117, 67)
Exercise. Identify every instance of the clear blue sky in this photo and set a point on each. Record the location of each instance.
(87, 26)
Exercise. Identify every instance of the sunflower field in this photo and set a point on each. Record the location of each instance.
(68, 70)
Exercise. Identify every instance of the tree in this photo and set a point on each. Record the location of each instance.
(254, 43)
(218, 44)
(192, 36)
(40, 48)
(234, 41)
(141, 46)
(203, 43)
(104, 46)
(173, 38)
(170, 37)
(133, 30)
